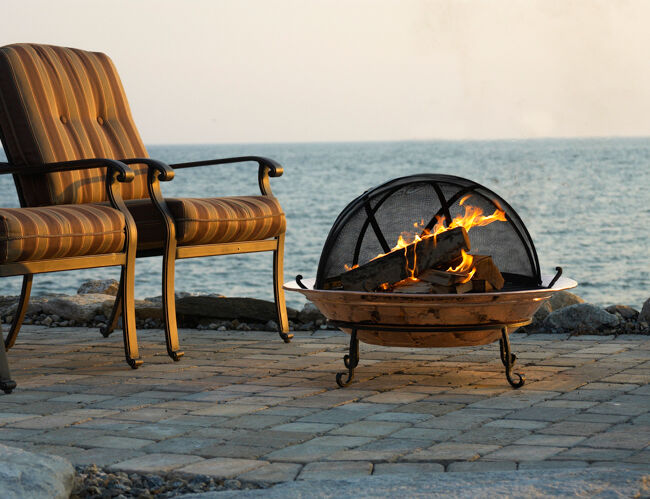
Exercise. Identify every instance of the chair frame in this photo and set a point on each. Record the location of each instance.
(159, 171)
(116, 172)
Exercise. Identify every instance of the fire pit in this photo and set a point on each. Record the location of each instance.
(464, 270)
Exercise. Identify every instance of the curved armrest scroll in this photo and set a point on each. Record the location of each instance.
(165, 172)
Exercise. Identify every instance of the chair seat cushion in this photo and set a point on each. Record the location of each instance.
(210, 220)
(28, 234)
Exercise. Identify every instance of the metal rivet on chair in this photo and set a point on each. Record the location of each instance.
(100, 120)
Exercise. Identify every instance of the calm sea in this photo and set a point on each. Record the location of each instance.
(585, 202)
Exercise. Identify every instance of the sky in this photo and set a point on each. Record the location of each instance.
(211, 71)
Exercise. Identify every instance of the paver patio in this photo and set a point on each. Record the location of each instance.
(245, 405)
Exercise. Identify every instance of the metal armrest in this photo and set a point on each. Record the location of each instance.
(267, 168)
(125, 174)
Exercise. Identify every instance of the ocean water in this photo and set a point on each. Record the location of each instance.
(585, 202)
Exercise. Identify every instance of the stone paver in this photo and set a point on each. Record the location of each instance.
(335, 470)
(222, 467)
(407, 468)
(156, 463)
(245, 405)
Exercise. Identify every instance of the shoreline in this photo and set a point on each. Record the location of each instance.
(565, 312)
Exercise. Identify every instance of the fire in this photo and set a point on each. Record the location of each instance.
(466, 265)
(473, 217)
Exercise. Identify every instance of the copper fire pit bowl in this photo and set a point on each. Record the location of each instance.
(430, 320)
(508, 308)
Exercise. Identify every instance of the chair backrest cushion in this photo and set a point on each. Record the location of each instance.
(63, 104)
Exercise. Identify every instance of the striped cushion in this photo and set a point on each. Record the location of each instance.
(62, 104)
(28, 234)
(210, 220)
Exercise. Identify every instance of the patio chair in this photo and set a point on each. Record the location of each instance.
(86, 86)
(72, 215)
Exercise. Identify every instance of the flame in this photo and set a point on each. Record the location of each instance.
(473, 217)
(384, 286)
(350, 267)
(466, 265)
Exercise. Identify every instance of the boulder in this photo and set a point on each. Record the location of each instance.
(627, 313)
(217, 307)
(25, 475)
(80, 308)
(99, 286)
(644, 315)
(581, 317)
(557, 301)
(9, 304)
(144, 309)
(563, 299)
(310, 313)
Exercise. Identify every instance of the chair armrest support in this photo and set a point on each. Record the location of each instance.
(125, 174)
(267, 168)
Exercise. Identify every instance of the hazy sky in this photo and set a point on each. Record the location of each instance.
(199, 71)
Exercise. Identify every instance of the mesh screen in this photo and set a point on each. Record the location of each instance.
(400, 205)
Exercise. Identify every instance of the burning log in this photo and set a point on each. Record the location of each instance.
(443, 278)
(487, 271)
(405, 262)
(412, 286)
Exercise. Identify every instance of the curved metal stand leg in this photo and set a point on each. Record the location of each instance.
(21, 309)
(351, 361)
(278, 292)
(6, 383)
(509, 360)
(115, 313)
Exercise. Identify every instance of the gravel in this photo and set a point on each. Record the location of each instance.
(93, 482)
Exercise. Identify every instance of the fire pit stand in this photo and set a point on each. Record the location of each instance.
(351, 360)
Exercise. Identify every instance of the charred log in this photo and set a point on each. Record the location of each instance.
(398, 264)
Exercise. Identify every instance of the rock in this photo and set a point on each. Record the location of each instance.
(81, 308)
(560, 482)
(310, 313)
(144, 309)
(644, 315)
(217, 307)
(627, 313)
(99, 286)
(25, 475)
(271, 326)
(558, 300)
(581, 317)
(563, 299)
(9, 304)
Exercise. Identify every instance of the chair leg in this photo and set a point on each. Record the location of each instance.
(115, 313)
(169, 302)
(127, 282)
(19, 316)
(6, 383)
(278, 277)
